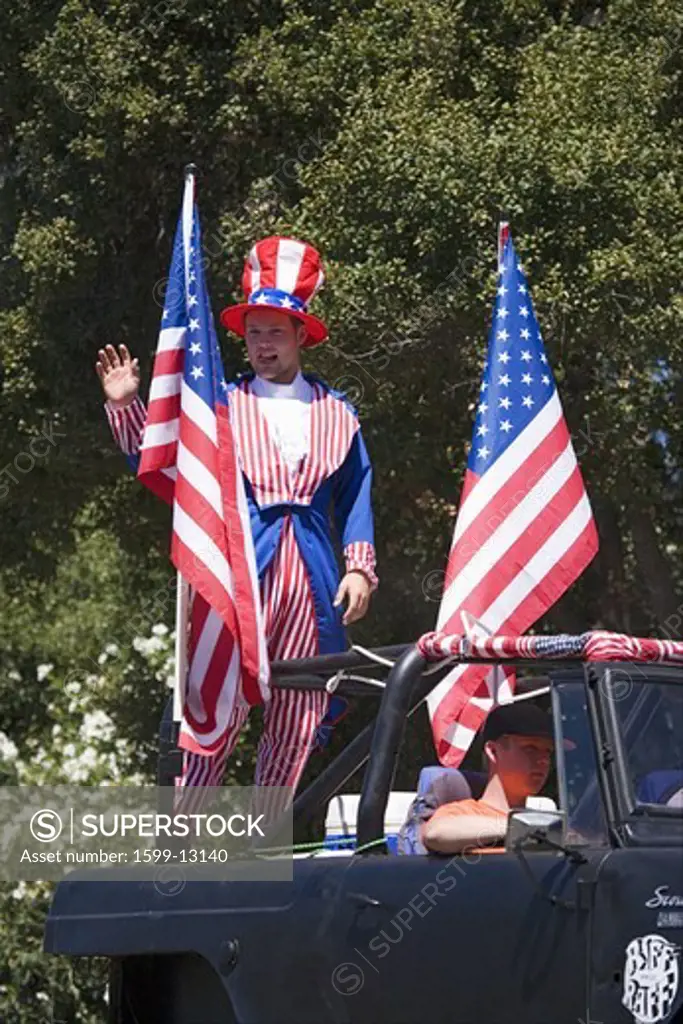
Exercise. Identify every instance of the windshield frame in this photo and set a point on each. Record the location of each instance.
(567, 686)
(630, 812)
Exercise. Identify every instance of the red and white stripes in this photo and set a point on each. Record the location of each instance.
(333, 428)
(127, 424)
(360, 555)
(288, 607)
(599, 645)
(604, 646)
(285, 264)
(291, 717)
(524, 532)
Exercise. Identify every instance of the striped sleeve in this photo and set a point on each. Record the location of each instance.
(360, 556)
(127, 424)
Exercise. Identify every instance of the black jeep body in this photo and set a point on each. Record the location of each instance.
(587, 929)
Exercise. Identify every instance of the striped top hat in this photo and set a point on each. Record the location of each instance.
(282, 274)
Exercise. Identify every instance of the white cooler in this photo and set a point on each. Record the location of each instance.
(342, 812)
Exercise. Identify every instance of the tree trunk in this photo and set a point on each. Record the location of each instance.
(614, 605)
(655, 570)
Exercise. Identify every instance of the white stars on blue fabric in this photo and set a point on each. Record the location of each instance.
(517, 381)
(203, 369)
(277, 299)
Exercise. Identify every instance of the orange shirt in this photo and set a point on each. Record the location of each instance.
(480, 807)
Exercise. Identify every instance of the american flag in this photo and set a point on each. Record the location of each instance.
(188, 456)
(525, 529)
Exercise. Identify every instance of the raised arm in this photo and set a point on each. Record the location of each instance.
(119, 376)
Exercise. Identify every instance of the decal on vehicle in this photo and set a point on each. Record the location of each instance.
(663, 898)
(670, 919)
(651, 977)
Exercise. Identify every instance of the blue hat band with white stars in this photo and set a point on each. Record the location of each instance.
(277, 298)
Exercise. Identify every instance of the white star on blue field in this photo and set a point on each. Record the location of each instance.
(203, 370)
(517, 381)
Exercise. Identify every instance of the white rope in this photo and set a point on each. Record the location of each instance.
(334, 681)
(372, 656)
(364, 679)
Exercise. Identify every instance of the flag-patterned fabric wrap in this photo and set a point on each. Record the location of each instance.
(525, 529)
(604, 646)
(598, 645)
(188, 453)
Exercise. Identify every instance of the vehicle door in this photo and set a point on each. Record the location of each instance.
(636, 970)
(461, 940)
(485, 937)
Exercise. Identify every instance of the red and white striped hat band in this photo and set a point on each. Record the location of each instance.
(282, 274)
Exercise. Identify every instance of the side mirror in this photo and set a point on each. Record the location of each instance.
(531, 829)
(540, 803)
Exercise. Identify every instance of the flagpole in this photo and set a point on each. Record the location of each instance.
(499, 676)
(503, 234)
(181, 616)
(182, 586)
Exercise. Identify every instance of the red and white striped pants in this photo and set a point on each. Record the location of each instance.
(291, 717)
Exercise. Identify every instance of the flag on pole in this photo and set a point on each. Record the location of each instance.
(525, 529)
(188, 456)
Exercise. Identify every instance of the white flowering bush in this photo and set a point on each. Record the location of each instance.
(86, 745)
(36, 988)
(85, 738)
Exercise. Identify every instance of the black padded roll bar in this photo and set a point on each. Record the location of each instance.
(386, 741)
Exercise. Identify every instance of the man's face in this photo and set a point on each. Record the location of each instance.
(522, 762)
(274, 344)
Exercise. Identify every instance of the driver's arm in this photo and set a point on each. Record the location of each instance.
(455, 833)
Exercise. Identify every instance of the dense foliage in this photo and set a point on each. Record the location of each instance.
(391, 133)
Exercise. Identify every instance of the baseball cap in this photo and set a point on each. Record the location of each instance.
(518, 718)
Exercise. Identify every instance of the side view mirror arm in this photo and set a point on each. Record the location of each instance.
(519, 852)
(540, 836)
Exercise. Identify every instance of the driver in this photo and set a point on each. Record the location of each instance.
(518, 747)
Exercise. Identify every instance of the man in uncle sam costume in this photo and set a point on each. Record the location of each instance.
(300, 448)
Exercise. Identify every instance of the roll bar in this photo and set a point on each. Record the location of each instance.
(406, 687)
(386, 742)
